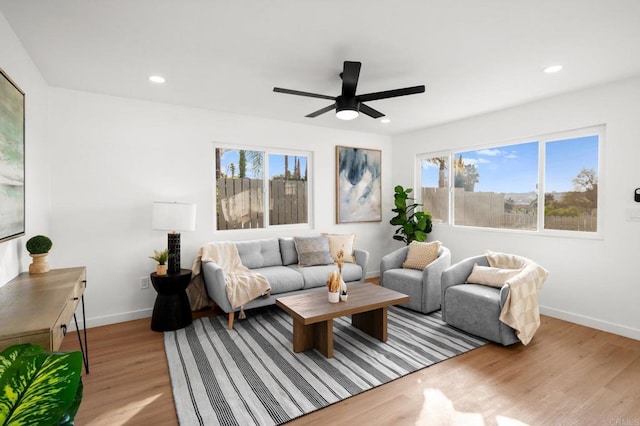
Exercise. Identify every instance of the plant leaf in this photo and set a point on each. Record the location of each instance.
(39, 388)
(9, 355)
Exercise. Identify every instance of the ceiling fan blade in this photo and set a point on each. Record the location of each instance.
(350, 75)
(370, 111)
(321, 111)
(391, 93)
(299, 93)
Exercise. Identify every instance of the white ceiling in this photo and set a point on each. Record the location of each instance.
(473, 56)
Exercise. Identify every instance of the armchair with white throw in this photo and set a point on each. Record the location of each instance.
(494, 296)
(404, 270)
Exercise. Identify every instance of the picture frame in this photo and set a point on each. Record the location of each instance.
(12, 161)
(358, 185)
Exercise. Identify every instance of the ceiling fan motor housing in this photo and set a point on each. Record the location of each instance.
(343, 103)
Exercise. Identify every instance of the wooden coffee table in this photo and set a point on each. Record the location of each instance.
(313, 315)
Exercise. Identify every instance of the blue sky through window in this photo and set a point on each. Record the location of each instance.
(514, 168)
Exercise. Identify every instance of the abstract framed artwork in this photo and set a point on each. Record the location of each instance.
(358, 185)
(12, 200)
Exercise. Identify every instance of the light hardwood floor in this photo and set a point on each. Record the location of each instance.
(568, 374)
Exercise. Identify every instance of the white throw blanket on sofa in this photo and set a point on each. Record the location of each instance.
(520, 310)
(242, 284)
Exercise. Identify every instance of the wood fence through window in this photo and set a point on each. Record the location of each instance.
(240, 202)
(486, 209)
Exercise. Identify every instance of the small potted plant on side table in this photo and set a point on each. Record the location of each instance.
(161, 257)
(38, 248)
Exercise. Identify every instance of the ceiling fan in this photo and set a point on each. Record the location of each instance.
(348, 104)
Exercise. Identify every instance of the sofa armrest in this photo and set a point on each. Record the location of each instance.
(504, 293)
(215, 284)
(458, 274)
(362, 259)
(433, 271)
(431, 280)
(392, 260)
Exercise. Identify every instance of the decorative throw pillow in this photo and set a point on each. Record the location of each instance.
(494, 277)
(344, 242)
(421, 254)
(313, 251)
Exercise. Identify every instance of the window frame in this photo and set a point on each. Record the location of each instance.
(542, 140)
(265, 188)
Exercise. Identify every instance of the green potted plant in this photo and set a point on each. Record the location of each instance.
(38, 248)
(38, 387)
(413, 225)
(161, 257)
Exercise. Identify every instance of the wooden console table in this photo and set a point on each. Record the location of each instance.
(37, 308)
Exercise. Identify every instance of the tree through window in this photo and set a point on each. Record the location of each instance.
(499, 186)
(251, 192)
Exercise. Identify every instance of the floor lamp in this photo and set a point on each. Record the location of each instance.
(174, 217)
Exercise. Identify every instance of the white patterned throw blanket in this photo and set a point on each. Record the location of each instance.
(520, 310)
(241, 284)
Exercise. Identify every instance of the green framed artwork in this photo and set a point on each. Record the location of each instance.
(12, 200)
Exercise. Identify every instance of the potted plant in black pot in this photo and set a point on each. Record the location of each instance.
(38, 248)
(413, 225)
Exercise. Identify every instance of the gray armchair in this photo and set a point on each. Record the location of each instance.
(423, 287)
(475, 308)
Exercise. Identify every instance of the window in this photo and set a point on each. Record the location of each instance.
(435, 186)
(571, 184)
(243, 199)
(500, 186)
(495, 187)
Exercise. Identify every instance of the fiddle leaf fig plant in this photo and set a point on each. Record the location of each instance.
(38, 387)
(413, 224)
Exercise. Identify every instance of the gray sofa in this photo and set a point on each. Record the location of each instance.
(277, 259)
(475, 308)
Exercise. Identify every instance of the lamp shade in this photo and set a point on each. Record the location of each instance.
(174, 216)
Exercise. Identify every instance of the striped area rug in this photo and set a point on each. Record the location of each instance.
(251, 376)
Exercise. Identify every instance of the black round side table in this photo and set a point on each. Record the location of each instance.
(171, 310)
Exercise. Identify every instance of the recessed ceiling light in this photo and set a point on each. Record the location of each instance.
(157, 79)
(385, 120)
(552, 69)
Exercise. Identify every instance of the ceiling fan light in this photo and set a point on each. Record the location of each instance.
(347, 114)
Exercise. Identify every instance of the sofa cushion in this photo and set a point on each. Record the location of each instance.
(259, 253)
(494, 277)
(313, 251)
(351, 272)
(281, 279)
(421, 254)
(288, 251)
(317, 276)
(344, 242)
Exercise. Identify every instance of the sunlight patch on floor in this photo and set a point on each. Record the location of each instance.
(123, 415)
(438, 410)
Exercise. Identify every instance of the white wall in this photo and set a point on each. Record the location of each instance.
(113, 157)
(592, 282)
(17, 64)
